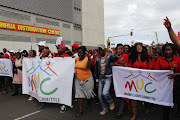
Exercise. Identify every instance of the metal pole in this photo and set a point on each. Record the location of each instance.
(32, 37)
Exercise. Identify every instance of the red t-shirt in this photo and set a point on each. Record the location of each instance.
(140, 64)
(153, 63)
(126, 58)
(163, 64)
(57, 55)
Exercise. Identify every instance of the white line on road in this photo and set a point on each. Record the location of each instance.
(27, 115)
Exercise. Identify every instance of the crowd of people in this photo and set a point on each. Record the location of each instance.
(93, 71)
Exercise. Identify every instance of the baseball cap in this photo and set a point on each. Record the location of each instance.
(42, 43)
(101, 46)
(75, 45)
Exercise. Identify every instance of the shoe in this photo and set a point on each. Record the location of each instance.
(111, 106)
(31, 98)
(41, 107)
(103, 112)
(79, 114)
(119, 115)
(74, 99)
(177, 114)
(14, 94)
(63, 109)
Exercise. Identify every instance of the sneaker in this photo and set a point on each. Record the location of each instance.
(118, 115)
(63, 109)
(177, 114)
(103, 112)
(30, 98)
(111, 106)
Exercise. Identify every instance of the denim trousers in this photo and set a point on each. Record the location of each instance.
(103, 92)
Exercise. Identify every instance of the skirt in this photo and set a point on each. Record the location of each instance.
(84, 89)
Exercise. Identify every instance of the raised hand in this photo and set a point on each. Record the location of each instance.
(167, 23)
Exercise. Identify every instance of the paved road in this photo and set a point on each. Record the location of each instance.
(13, 107)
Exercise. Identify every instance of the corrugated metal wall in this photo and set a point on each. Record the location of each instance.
(57, 9)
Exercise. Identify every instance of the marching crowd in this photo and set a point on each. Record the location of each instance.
(93, 71)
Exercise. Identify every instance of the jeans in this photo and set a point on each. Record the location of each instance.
(103, 92)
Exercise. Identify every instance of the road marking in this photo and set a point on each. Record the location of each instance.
(27, 115)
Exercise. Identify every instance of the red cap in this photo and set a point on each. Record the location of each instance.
(91, 50)
(5, 56)
(75, 45)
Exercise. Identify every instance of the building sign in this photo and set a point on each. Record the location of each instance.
(28, 28)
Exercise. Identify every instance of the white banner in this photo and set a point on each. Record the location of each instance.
(49, 80)
(152, 86)
(6, 67)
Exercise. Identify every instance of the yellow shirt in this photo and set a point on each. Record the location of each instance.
(82, 71)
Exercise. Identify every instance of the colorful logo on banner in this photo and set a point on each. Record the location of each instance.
(135, 84)
(3, 67)
(34, 78)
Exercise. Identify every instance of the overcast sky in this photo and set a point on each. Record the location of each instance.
(145, 17)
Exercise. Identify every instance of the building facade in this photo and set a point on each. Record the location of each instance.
(23, 23)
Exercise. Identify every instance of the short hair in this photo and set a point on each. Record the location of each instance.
(119, 45)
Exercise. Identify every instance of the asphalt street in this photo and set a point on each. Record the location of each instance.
(19, 108)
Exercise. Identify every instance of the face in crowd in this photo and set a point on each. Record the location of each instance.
(11, 54)
(156, 56)
(41, 48)
(32, 53)
(60, 49)
(168, 52)
(101, 52)
(126, 49)
(45, 53)
(81, 54)
(18, 55)
(139, 48)
(119, 50)
(4, 50)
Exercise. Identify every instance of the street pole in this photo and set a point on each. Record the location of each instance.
(32, 37)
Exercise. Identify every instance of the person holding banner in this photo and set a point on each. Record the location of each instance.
(104, 74)
(45, 54)
(61, 53)
(138, 59)
(32, 54)
(122, 59)
(61, 50)
(41, 46)
(84, 83)
(17, 80)
(168, 62)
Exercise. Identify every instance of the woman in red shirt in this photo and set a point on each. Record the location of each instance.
(168, 62)
(61, 51)
(138, 59)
